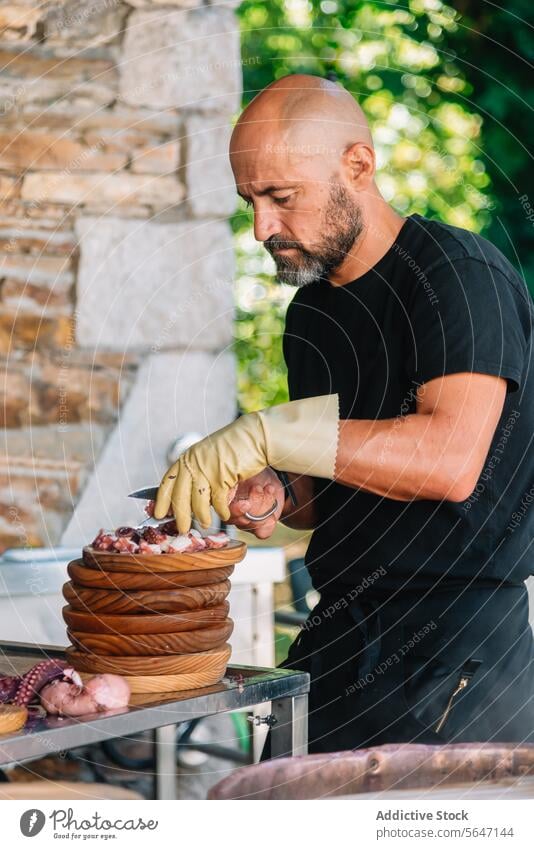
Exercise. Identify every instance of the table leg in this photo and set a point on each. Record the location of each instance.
(262, 652)
(289, 736)
(165, 751)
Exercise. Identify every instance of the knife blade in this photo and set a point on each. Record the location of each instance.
(147, 493)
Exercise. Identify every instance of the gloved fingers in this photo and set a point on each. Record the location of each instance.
(200, 500)
(181, 499)
(220, 499)
(163, 498)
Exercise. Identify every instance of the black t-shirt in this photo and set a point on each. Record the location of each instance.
(441, 300)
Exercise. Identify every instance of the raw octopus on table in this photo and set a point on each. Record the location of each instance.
(60, 690)
(71, 697)
(164, 539)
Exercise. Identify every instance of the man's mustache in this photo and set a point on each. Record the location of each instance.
(274, 243)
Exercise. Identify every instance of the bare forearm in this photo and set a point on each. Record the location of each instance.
(303, 515)
(416, 457)
(399, 458)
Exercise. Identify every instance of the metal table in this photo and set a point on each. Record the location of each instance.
(242, 687)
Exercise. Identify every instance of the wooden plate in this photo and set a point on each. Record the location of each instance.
(214, 558)
(206, 661)
(13, 717)
(185, 642)
(144, 623)
(168, 683)
(145, 601)
(92, 576)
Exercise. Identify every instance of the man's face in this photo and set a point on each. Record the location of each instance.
(306, 218)
(339, 225)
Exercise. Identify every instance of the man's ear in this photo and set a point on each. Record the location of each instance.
(360, 163)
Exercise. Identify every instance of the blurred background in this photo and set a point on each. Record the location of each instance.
(446, 90)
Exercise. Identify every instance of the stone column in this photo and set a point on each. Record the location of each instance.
(116, 254)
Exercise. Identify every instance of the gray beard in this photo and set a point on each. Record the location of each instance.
(342, 224)
(299, 273)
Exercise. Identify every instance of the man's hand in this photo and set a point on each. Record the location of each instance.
(256, 496)
(300, 436)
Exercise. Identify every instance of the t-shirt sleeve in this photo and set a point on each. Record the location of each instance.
(467, 316)
(286, 338)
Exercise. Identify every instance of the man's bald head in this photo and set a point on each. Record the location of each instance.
(307, 115)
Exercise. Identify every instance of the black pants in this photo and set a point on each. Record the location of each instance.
(384, 671)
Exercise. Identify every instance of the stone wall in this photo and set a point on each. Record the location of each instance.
(116, 255)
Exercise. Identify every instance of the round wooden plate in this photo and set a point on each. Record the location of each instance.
(13, 717)
(145, 601)
(206, 661)
(169, 683)
(185, 642)
(91, 576)
(232, 553)
(147, 623)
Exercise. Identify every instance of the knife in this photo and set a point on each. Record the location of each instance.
(149, 493)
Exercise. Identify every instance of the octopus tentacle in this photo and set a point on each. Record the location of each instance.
(9, 685)
(34, 680)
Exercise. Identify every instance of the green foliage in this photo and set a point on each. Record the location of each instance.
(448, 134)
(260, 309)
(495, 47)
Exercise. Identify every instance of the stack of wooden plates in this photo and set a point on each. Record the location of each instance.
(160, 620)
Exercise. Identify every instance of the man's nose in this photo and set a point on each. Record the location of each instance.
(266, 224)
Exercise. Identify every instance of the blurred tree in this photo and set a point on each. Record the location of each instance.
(495, 47)
(417, 67)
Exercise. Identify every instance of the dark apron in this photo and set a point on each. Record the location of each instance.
(398, 668)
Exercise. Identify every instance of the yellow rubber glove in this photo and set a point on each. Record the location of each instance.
(299, 437)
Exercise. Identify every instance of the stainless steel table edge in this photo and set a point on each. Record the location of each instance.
(289, 708)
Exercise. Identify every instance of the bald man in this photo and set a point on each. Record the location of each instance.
(407, 440)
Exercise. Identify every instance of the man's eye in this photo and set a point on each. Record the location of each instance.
(283, 199)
